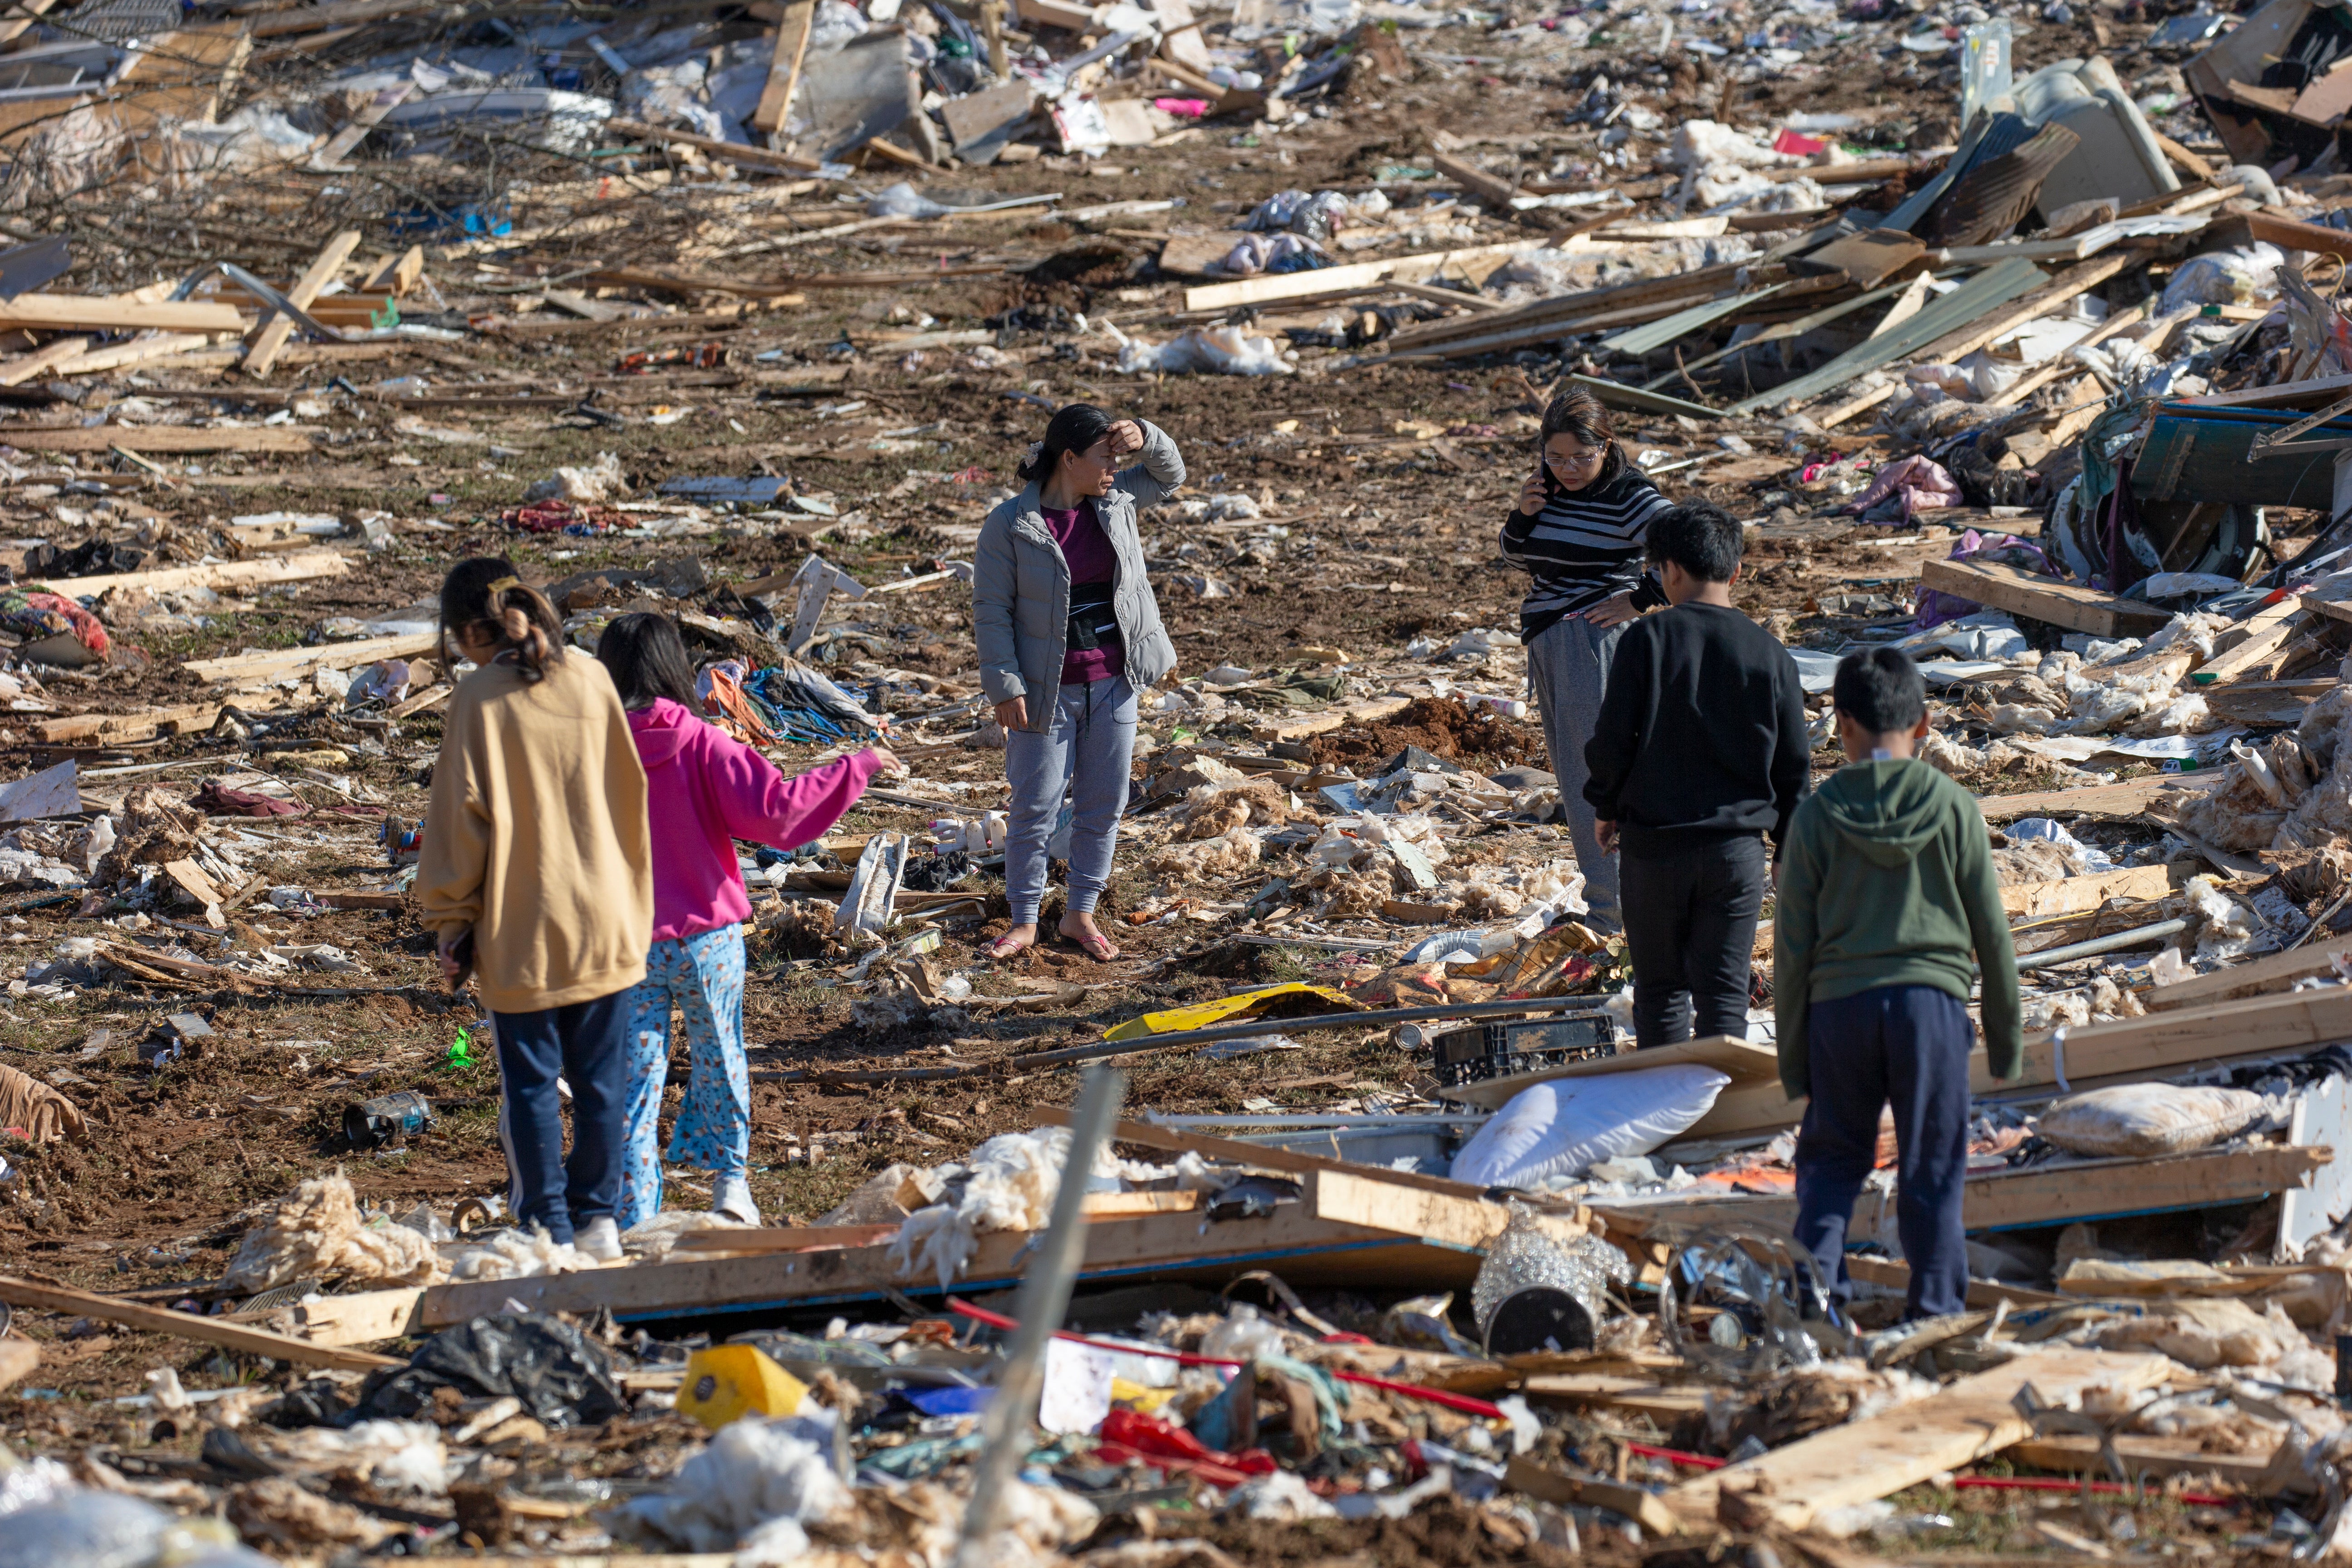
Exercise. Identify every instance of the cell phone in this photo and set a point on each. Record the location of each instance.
(462, 952)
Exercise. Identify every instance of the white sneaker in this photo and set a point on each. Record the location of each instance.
(732, 1196)
(600, 1239)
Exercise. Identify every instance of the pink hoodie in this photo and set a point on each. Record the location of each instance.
(703, 791)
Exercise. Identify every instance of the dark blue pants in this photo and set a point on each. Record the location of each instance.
(1690, 931)
(1907, 1046)
(586, 1044)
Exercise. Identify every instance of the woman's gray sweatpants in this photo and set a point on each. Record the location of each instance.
(1568, 667)
(1085, 750)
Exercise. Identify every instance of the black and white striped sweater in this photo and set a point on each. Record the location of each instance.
(1585, 546)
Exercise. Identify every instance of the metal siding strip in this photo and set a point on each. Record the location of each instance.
(1994, 287)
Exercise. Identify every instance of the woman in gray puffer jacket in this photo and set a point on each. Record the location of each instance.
(1069, 633)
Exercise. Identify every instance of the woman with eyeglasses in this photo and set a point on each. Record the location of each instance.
(1581, 529)
(1068, 633)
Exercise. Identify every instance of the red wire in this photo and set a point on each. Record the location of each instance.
(1445, 1397)
(1979, 1483)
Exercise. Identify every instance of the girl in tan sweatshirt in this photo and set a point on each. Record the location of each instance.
(537, 870)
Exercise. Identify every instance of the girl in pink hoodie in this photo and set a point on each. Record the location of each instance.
(703, 791)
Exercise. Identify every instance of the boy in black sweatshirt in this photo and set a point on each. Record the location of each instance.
(1700, 749)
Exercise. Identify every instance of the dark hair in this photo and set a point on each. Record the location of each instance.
(1075, 429)
(647, 659)
(485, 594)
(1880, 689)
(1578, 413)
(1700, 538)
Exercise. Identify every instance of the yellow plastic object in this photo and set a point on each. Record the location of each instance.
(1134, 1396)
(728, 1381)
(1243, 1004)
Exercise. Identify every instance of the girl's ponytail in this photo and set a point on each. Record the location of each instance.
(486, 595)
(1074, 428)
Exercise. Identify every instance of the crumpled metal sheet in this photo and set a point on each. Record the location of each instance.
(1986, 202)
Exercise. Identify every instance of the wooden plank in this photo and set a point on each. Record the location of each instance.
(1495, 191)
(1894, 1274)
(58, 312)
(733, 152)
(24, 1293)
(2022, 593)
(2286, 233)
(1370, 711)
(124, 726)
(363, 901)
(1663, 1403)
(2042, 302)
(361, 1318)
(2267, 631)
(2142, 1457)
(396, 274)
(2253, 977)
(1643, 1506)
(1972, 1420)
(1350, 1199)
(22, 16)
(2071, 895)
(281, 663)
(145, 349)
(784, 1239)
(1157, 1246)
(271, 341)
(314, 19)
(1416, 268)
(2015, 1200)
(159, 438)
(295, 567)
(23, 368)
(2188, 163)
(784, 68)
(2127, 799)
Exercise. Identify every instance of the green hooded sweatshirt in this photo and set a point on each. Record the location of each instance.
(1889, 880)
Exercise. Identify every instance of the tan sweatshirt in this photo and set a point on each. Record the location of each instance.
(536, 836)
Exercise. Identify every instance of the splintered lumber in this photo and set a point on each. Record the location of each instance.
(361, 1318)
(1661, 1402)
(787, 1238)
(2021, 593)
(2129, 799)
(24, 1293)
(2267, 631)
(1495, 191)
(271, 341)
(1672, 292)
(395, 274)
(1641, 1505)
(2090, 1191)
(2067, 285)
(733, 152)
(22, 16)
(145, 349)
(60, 312)
(2253, 977)
(1299, 1240)
(2071, 895)
(1865, 1460)
(785, 70)
(1896, 1274)
(297, 566)
(1370, 711)
(2142, 1457)
(1479, 259)
(322, 17)
(158, 438)
(23, 368)
(279, 664)
(193, 718)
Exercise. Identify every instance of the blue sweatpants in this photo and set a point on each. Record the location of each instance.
(1086, 750)
(1907, 1046)
(585, 1043)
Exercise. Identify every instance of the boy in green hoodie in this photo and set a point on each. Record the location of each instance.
(1887, 888)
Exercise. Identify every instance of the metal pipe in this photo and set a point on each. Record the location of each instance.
(1141, 1043)
(2099, 944)
(1044, 1300)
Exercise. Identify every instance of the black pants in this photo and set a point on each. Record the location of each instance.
(1690, 931)
(1907, 1046)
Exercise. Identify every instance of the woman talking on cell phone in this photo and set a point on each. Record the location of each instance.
(1068, 633)
(1581, 528)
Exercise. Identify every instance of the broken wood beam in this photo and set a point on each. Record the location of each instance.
(784, 70)
(298, 566)
(1639, 1504)
(733, 152)
(1861, 1461)
(2253, 977)
(271, 341)
(158, 438)
(278, 663)
(251, 1341)
(63, 312)
(2067, 605)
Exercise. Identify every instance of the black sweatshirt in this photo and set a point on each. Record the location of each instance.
(1701, 731)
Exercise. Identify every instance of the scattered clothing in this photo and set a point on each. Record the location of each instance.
(1907, 1046)
(702, 976)
(583, 1042)
(1585, 546)
(217, 799)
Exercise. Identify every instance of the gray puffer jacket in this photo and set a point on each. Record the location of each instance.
(1021, 587)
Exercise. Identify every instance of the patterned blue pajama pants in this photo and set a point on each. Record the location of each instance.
(703, 977)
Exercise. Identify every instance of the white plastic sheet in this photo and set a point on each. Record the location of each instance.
(1564, 1126)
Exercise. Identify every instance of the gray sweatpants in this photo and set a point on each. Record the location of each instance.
(1568, 667)
(1085, 750)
